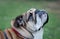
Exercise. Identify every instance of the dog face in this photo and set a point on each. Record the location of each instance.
(36, 19)
(33, 20)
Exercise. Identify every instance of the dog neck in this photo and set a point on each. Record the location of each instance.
(38, 34)
(23, 33)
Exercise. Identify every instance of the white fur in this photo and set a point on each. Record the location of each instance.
(38, 34)
(44, 18)
(32, 27)
(39, 22)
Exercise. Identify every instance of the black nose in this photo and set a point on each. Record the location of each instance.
(40, 12)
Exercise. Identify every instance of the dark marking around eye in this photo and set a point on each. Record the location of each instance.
(30, 17)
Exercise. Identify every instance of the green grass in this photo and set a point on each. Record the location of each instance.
(52, 29)
(10, 9)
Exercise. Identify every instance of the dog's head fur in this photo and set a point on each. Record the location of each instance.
(32, 20)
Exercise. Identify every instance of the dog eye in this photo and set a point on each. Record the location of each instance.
(30, 10)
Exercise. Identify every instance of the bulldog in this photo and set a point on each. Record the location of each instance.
(27, 26)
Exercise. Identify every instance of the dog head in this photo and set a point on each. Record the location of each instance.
(36, 19)
(32, 20)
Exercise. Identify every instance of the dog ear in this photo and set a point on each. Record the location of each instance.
(13, 23)
(18, 20)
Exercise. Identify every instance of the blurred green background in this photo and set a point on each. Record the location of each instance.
(9, 9)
